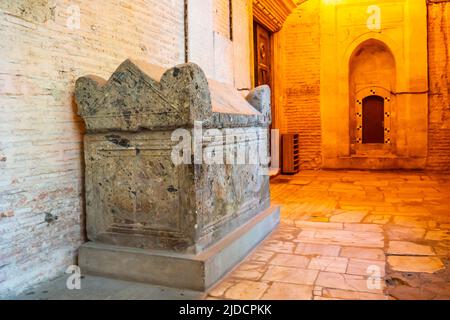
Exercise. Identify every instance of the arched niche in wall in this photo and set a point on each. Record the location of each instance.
(372, 79)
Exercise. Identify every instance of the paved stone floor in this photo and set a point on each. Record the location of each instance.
(343, 235)
(98, 288)
(352, 235)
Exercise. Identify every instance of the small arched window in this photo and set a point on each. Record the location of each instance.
(373, 120)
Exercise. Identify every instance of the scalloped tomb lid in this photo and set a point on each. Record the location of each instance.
(224, 98)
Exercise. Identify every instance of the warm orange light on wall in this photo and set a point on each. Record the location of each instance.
(331, 2)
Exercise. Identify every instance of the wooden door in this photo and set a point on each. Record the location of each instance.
(373, 119)
(262, 56)
(263, 74)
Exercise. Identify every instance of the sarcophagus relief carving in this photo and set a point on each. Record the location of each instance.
(143, 188)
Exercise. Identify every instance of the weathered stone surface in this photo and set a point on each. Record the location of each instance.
(409, 248)
(363, 227)
(149, 213)
(262, 255)
(330, 264)
(250, 271)
(404, 233)
(438, 235)
(288, 291)
(290, 260)
(365, 267)
(415, 264)
(363, 253)
(135, 195)
(36, 11)
(290, 275)
(345, 282)
(142, 96)
(352, 295)
(221, 288)
(182, 270)
(317, 249)
(349, 217)
(348, 238)
(349, 271)
(246, 290)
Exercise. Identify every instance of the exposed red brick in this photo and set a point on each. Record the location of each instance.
(301, 81)
(439, 82)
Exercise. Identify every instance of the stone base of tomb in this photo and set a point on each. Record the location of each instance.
(185, 271)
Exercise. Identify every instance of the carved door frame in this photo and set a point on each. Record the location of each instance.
(389, 119)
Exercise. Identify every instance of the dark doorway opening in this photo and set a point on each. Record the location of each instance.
(373, 119)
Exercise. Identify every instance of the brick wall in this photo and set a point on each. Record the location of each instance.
(439, 82)
(300, 38)
(43, 51)
(301, 73)
(42, 54)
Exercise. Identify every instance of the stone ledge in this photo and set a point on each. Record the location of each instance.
(185, 271)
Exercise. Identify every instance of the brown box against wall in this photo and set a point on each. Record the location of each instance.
(291, 153)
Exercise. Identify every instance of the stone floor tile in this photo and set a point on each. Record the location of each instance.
(283, 236)
(219, 290)
(346, 187)
(409, 248)
(363, 253)
(311, 249)
(438, 235)
(307, 234)
(290, 275)
(415, 264)
(414, 210)
(325, 299)
(344, 238)
(402, 292)
(364, 267)
(347, 282)
(262, 255)
(373, 183)
(290, 260)
(432, 224)
(363, 227)
(318, 225)
(246, 290)
(288, 291)
(287, 221)
(407, 221)
(317, 291)
(99, 288)
(349, 217)
(404, 233)
(442, 251)
(300, 182)
(250, 270)
(331, 264)
(318, 219)
(411, 208)
(352, 295)
(278, 246)
(377, 218)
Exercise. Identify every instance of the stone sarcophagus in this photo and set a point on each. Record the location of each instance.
(177, 190)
